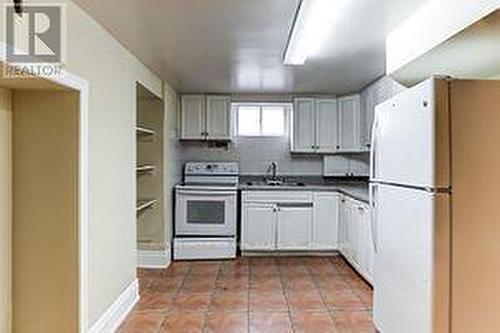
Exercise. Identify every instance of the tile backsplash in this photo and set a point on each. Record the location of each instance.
(253, 155)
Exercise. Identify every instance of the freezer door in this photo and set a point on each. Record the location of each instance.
(411, 267)
(410, 141)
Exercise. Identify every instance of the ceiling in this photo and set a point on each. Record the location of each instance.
(236, 46)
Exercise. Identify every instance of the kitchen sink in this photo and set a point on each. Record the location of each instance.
(276, 184)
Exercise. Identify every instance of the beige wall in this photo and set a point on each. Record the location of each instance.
(45, 211)
(5, 209)
(475, 132)
(112, 73)
(171, 104)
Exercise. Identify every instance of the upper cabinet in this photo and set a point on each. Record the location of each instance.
(315, 123)
(354, 165)
(349, 124)
(193, 117)
(304, 126)
(205, 117)
(218, 117)
(327, 126)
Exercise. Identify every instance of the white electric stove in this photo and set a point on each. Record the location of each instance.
(206, 211)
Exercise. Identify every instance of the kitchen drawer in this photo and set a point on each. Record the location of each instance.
(277, 196)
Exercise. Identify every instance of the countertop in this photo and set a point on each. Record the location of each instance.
(357, 189)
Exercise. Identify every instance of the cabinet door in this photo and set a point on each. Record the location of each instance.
(336, 166)
(327, 126)
(304, 132)
(359, 165)
(352, 233)
(218, 117)
(326, 221)
(294, 228)
(193, 117)
(258, 227)
(365, 244)
(349, 120)
(343, 222)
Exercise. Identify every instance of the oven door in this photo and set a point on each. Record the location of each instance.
(205, 212)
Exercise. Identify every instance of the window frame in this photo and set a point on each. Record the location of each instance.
(287, 108)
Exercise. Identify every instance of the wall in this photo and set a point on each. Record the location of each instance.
(253, 155)
(112, 73)
(373, 94)
(5, 210)
(150, 222)
(45, 211)
(171, 153)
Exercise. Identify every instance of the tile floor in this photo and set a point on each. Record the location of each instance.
(264, 295)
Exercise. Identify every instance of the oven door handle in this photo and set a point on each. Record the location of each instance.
(205, 193)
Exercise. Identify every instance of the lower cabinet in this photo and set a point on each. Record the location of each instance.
(365, 242)
(303, 221)
(355, 237)
(326, 221)
(294, 227)
(259, 227)
(290, 222)
(270, 225)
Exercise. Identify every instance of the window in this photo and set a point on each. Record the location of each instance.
(260, 119)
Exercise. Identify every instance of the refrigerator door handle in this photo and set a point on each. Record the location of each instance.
(373, 215)
(374, 148)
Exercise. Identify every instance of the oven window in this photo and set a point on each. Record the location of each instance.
(205, 212)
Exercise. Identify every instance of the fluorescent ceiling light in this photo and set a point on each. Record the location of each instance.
(311, 27)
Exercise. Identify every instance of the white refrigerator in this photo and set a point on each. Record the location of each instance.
(435, 196)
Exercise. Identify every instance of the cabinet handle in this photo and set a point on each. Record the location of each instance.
(338, 147)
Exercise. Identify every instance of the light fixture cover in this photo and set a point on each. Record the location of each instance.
(311, 26)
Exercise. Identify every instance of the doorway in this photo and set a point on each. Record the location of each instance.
(42, 233)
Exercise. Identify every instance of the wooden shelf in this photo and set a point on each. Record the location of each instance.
(143, 131)
(145, 168)
(143, 204)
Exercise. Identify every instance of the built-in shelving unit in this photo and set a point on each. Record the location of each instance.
(144, 204)
(143, 131)
(145, 168)
(148, 168)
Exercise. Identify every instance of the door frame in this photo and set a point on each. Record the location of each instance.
(76, 83)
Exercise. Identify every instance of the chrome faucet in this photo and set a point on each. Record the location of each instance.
(272, 174)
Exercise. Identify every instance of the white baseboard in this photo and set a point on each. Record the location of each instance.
(154, 259)
(116, 313)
